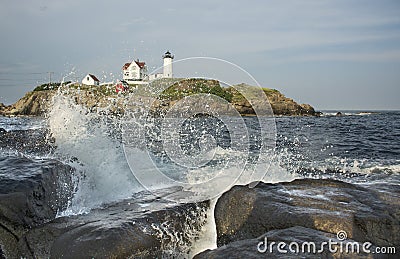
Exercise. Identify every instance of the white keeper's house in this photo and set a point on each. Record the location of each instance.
(90, 79)
(134, 71)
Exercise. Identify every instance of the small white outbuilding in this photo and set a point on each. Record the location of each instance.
(90, 79)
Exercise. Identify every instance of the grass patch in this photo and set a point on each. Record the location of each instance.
(252, 92)
(193, 86)
(51, 86)
(102, 90)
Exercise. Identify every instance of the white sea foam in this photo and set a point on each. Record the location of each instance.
(330, 113)
(21, 123)
(85, 140)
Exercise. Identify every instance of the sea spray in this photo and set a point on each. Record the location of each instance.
(207, 236)
(180, 243)
(87, 141)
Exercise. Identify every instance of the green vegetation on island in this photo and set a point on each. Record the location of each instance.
(195, 86)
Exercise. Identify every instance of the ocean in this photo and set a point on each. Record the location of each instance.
(359, 147)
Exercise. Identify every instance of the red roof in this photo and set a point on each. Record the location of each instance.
(140, 64)
(94, 78)
(126, 66)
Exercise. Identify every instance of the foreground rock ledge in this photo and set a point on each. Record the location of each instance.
(120, 230)
(29, 229)
(328, 206)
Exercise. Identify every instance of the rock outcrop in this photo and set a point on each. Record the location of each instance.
(33, 103)
(145, 225)
(120, 230)
(325, 205)
(306, 210)
(280, 104)
(30, 199)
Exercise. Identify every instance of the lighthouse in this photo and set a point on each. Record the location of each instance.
(168, 57)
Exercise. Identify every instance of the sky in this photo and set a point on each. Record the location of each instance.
(334, 55)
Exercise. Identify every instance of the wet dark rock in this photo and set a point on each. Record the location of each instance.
(120, 230)
(44, 185)
(318, 114)
(339, 114)
(31, 193)
(249, 248)
(324, 205)
(2, 256)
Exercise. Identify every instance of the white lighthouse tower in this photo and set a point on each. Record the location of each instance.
(167, 73)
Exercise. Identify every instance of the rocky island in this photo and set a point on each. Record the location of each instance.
(38, 101)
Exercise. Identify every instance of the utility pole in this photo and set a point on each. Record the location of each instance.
(50, 73)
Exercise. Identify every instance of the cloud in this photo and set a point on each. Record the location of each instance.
(133, 23)
(382, 56)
